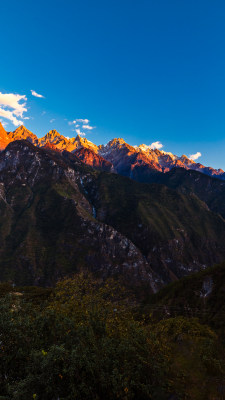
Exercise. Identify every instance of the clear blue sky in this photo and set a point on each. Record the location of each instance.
(146, 71)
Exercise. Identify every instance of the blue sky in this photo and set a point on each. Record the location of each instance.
(146, 71)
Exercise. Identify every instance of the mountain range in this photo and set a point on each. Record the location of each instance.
(137, 162)
(67, 205)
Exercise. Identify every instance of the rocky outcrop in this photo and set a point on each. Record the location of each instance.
(89, 157)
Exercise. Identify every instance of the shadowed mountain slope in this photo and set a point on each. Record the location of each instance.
(199, 295)
(47, 228)
(208, 189)
(58, 216)
(176, 233)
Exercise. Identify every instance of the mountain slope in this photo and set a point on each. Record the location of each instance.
(199, 295)
(89, 157)
(176, 233)
(47, 227)
(58, 216)
(208, 189)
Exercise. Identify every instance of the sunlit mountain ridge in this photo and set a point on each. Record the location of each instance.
(132, 161)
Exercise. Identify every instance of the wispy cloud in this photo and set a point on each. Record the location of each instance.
(78, 131)
(35, 94)
(12, 107)
(52, 120)
(156, 145)
(195, 156)
(82, 126)
(4, 124)
(88, 127)
(82, 121)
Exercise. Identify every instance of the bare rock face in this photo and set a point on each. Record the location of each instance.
(89, 157)
(4, 140)
(22, 133)
(52, 147)
(63, 143)
(54, 138)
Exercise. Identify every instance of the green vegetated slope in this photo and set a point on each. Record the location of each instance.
(200, 295)
(87, 340)
(210, 190)
(47, 229)
(58, 216)
(175, 231)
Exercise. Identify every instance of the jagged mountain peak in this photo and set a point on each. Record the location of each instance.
(20, 128)
(116, 142)
(185, 158)
(4, 140)
(54, 133)
(143, 147)
(79, 142)
(2, 129)
(22, 133)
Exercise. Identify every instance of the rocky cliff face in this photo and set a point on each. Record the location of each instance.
(89, 157)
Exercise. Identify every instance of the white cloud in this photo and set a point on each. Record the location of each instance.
(83, 121)
(4, 124)
(79, 121)
(78, 131)
(89, 127)
(156, 145)
(9, 115)
(52, 120)
(43, 113)
(11, 107)
(35, 94)
(195, 156)
(81, 126)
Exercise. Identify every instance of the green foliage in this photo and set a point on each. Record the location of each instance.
(82, 344)
(188, 297)
(198, 367)
(86, 340)
(162, 222)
